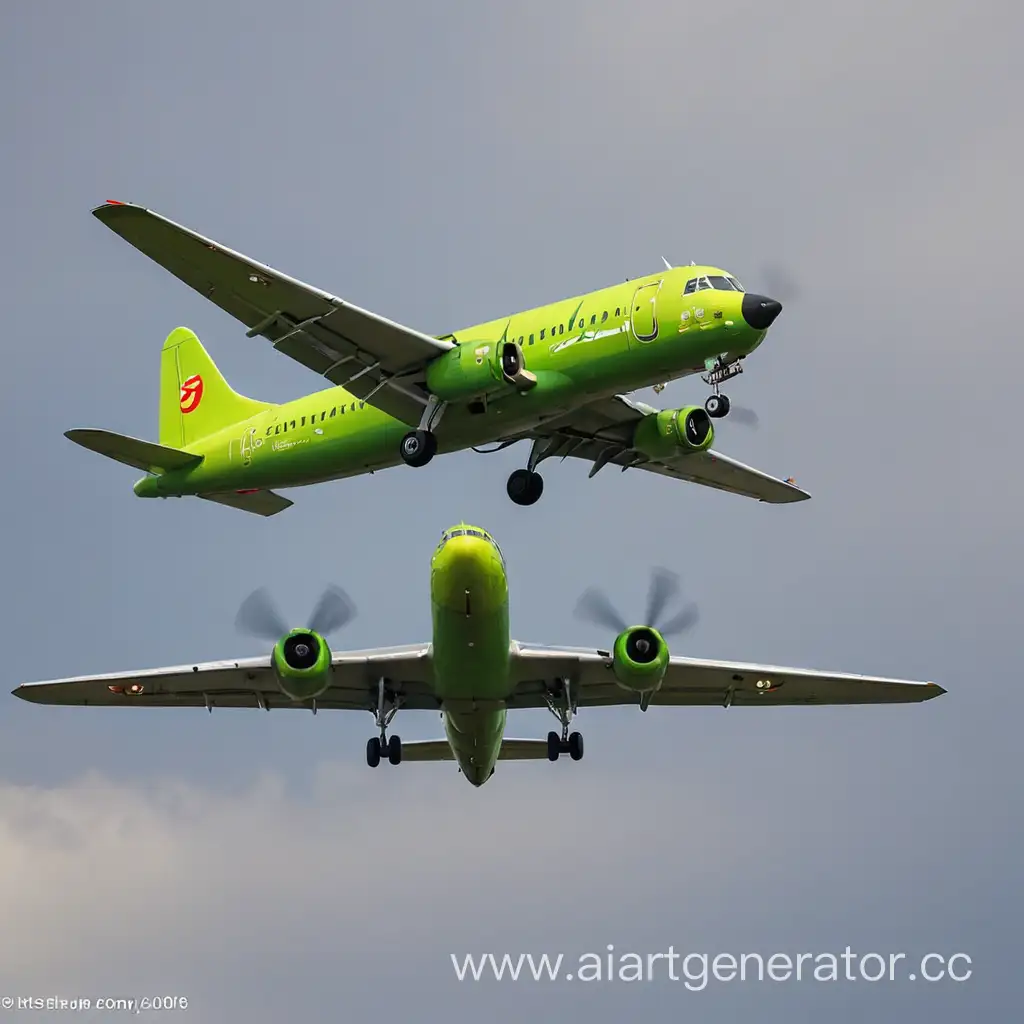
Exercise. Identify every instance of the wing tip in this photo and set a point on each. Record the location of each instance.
(113, 208)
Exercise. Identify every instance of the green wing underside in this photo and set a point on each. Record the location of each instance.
(602, 433)
(538, 673)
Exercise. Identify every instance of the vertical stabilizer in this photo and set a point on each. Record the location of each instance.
(195, 399)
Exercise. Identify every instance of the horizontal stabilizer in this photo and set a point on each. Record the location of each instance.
(439, 750)
(261, 503)
(144, 455)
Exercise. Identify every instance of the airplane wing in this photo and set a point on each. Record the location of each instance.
(376, 359)
(250, 683)
(602, 433)
(693, 682)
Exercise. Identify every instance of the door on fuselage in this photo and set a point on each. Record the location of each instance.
(643, 316)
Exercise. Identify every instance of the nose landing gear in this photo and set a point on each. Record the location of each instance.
(719, 371)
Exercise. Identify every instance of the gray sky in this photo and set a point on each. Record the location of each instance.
(444, 164)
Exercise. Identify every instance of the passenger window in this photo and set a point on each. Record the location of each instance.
(618, 311)
(542, 330)
(604, 316)
(593, 320)
(334, 411)
(277, 428)
(303, 423)
(561, 329)
(293, 424)
(531, 339)
(362, 405)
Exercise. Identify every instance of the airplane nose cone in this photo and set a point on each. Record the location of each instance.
(759, 311)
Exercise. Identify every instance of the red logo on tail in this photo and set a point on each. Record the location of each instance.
(191, 394)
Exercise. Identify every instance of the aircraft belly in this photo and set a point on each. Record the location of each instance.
(475, 739)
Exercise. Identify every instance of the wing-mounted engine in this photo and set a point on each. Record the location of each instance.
(640, 655)
(301, 658)
(477, 369)
(672, 431)
(302, 664)
(639, 659)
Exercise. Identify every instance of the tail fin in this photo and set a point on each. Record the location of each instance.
(195, 399)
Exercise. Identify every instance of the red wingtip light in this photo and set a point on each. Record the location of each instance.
(116, 689)
(114, 202)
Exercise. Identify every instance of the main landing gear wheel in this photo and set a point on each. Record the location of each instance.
(573, 746)
(380, 746)
(391, 749)
(418, 447)
(717, 406)
(525, 486)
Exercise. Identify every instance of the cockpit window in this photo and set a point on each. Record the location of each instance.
(469, 532)
(723, 284)
(737, 285)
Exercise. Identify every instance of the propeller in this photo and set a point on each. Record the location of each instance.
(258, 615)
(595, 606)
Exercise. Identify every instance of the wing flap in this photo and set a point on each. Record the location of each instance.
(367, 353)
(144, 455)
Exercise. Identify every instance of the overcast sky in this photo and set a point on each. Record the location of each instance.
(443, 164)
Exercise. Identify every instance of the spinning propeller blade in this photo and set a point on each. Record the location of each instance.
(595, 606)
(258, 615)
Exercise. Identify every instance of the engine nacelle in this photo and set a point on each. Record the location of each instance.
(472, 370)
(302, 664)
(639, 659)
(663, 434)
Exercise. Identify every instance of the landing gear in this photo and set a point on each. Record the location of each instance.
(717, 406)
(381, 746)
(571, 745)
(563, 706)
(719, 370)
(525, 486)
(419, 446)
(391, 748)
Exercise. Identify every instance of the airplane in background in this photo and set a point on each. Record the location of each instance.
(556, 375)
(471, 671)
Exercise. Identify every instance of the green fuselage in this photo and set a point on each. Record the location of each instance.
(607, 342)
(469, 604)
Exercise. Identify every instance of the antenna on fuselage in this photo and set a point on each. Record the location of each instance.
(668, 266)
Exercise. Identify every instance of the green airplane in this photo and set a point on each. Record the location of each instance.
(472, 672)
(555, 375)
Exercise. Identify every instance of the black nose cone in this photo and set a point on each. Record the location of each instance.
(759, 311)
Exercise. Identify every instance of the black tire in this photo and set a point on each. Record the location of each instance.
(373, 752)
(418, 447)
(576, 746)
(395, 750)
(554, 746)
(717, 406)
(525, 487)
